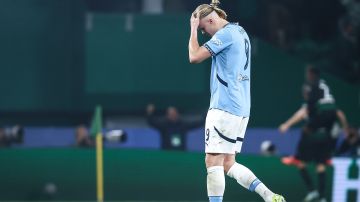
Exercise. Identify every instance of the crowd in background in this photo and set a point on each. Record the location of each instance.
(317, 30)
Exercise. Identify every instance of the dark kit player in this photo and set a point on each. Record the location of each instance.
(317, 141)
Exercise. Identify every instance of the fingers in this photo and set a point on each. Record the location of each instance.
(192, 18)
(194, 15)
(194, 22)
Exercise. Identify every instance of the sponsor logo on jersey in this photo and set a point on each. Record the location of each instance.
(243, 77)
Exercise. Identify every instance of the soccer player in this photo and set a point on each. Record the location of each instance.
(229, 109)
(318, 140)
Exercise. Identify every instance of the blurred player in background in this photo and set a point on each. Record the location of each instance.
(173, 129)
(85, 140)
(319, 135)
(82, 137)
(229, 110)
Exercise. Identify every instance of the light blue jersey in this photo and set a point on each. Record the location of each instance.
(230, 70)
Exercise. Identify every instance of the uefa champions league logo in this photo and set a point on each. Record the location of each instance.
(342, 183)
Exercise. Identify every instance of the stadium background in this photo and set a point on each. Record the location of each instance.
(61, 58)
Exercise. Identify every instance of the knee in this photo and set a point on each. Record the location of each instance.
(320, 168)
(208, 161)
(214, 160)
(301, 165)
(228, 163)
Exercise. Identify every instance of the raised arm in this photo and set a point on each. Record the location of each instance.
(297, 117)
(153, 121)
(197, 53)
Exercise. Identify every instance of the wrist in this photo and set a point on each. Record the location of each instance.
(193, 29)
(193, 36)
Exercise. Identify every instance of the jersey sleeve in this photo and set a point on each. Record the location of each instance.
(219, 42)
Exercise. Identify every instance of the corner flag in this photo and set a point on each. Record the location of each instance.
(96, 130)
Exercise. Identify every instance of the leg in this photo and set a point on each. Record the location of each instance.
(305, 153)
(306, 176)
(321, 169)
(215, 176)
(312, 192)
(325, 148)
(224, 134)
(323, 155)
(239, 172)
(247, 179)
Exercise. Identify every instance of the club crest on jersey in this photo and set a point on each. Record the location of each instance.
(216, 41)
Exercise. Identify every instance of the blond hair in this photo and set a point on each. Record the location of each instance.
(205, 9)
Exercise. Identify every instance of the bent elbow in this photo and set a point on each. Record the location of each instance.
(194, 60)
